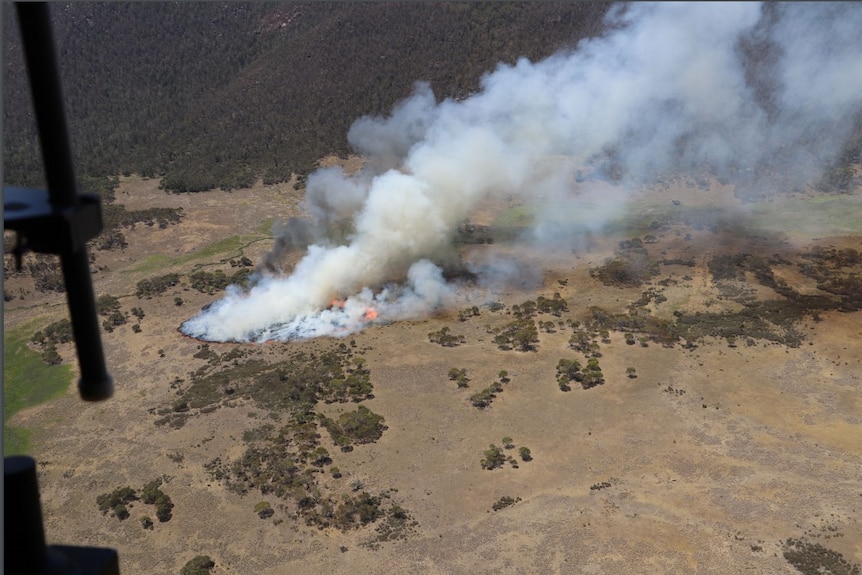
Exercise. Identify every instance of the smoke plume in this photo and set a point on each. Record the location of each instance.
(750, 93)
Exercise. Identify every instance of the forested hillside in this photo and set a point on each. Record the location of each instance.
(209, 95)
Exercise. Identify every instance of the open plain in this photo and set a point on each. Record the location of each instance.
(719, 447)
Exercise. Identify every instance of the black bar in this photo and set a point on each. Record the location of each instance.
(35, 22)
(24, 549)
(95, 384)
(24, 538)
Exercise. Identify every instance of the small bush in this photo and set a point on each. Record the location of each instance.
(200, 565)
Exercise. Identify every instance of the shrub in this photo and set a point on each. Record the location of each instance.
(504, 502)
(163, 508)
(200, 565)
(264, 510)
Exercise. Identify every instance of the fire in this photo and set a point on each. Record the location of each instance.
(337, 303)
(370, 314)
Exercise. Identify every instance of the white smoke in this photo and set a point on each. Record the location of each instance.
(726, 88)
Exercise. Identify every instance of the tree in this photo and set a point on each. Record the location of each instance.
(493, 458)
(524, 452)
(631, 372)
(507, 442)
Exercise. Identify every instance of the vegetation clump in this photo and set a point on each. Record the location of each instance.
(445, 338)
(495, 457)
(569, 370)
(459, 376)
(152, 494)
(504, 502)
(57, 332)
(554, 306)
(200, 565)
(814, 559)
(47, 339)
(521, 334)
(630, 266)
(115, 502)
(264, 510)
(396, 524)
(211, 282)
(467, 313)
(836, 272)
(295, 384)
(492, 458)
(115, 319)
(46, 273)
(150, 287)
(107, 304)
(360, 426)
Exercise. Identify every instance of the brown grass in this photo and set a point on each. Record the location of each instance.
(764, 444)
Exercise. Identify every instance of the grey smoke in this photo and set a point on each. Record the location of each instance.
(754, 94)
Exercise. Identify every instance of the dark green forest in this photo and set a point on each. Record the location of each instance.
(205, 95)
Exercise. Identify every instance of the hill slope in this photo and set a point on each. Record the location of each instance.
(218, 94)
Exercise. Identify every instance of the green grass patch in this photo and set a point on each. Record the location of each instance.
(16, 440)
(27, 381)
(227, 248)
(153, 263)
(265, 227)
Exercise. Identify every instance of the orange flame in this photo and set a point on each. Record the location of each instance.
(337, 303)
(370, 314)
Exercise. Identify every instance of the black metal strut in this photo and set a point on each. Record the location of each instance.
(58, 221)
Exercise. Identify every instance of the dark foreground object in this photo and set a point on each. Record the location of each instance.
(24, 538)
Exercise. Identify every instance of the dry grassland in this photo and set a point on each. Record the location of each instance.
(706, 462)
